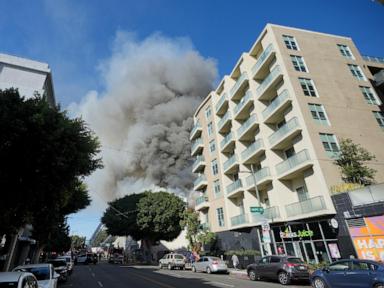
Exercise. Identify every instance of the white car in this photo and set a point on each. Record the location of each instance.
(69, 261)
(18, 280)
(172, 260)
(44, 273)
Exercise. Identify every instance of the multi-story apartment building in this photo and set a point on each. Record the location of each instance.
(28, 76)
(281, 113)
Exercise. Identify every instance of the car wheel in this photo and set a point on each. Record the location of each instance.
(170, 267)
(380, 285)
(194, 269)
(283, 278)
(319, 283)
(252, 275)
(208, 270)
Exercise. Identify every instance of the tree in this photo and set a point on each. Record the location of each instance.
(100, 238)
(77, 242)
(59, 240)
(44, 156)
(351, 161)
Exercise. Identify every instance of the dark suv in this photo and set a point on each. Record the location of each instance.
(281, 268)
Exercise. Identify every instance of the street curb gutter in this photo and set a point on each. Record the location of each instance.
(240, 274)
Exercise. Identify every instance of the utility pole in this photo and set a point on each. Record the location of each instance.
(255, 183)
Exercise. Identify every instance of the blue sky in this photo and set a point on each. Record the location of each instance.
(73, 36)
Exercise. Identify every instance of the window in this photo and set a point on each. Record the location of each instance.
(330, 144)
(302, 193)
(379, 118)
(216, 188)
(264, 260)
(289, 152)
(356, 72)
(275, 259)
(290, 42)
(220, 217)
(308, 87)
(340, 266)
(318, 114)
(212, 146)
(345, 51)
(369, 95)
(210, 129)
(208, 113)
(215, 169)
(298, 63)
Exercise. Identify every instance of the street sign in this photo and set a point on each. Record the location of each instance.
(259, 210)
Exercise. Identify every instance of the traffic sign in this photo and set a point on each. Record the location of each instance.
(257, 209)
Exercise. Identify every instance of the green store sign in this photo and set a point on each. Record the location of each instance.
(298, 234)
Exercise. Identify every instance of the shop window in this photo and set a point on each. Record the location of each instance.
(329, 232)
(321, 252)
(314, 227)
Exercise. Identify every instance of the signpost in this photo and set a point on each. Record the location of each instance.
(257, 209)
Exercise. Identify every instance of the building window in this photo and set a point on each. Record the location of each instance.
(298, 63)
(210, 129)
(345, 51)
(302, 193)
(290, 42)
(212, 146)
(356, 72)
(220, 217)
(308, 87)
(216, 188)
(318, 114)
(215, 168)
(330, 144)
(369, 95)
(208, 113)
(379, 118)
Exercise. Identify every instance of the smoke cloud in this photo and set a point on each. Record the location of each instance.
(144, 116)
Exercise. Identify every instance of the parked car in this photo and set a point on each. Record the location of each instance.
(281, 268)
(209, 264)
(342, 273)
(69, 261)
(44, 273)
(172, 260)
(60, 267)
(18, 280)
(84, 259)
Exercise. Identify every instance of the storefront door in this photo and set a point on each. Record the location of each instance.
(309, 251)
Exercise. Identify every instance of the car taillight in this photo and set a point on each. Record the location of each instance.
(215, 262)
(291, 265)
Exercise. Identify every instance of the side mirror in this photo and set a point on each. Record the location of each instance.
(56, 275)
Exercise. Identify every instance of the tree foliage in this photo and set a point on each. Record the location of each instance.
(352, 163)
(100, 238)
(44, 156)
(77, 242)
(59, 240)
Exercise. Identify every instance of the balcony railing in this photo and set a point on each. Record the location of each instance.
(198, 160)
(205, 226)
(238, 83)
(272, 213)
(244, 100)
(195, 128)
(283, 131)
(227, 138)
(374, 59)
(196, 143)
(275, 103)
(223, 120)
(222, 100)
(255, 146)
(293, 162)
(261, 58)
(230, 162)
(271, 76)
(307, 206)
(234, 186)
(246, 125)
(199, 180)
(239, 220)
(201, 200)
(259, 175)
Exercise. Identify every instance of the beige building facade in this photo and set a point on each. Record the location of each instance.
(281, 114)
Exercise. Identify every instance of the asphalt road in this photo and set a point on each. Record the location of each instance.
(117, 276)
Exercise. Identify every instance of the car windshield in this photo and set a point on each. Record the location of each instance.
(41, 273)
(179, 257)
(58, 263)
(8, 284)
(295, 261)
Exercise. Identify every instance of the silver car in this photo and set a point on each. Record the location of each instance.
(209, 264)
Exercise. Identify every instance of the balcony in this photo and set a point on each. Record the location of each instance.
(199, 164)
(263, 176)
(228, 143)
(239, 86)
(241, 110)
(230, 165)
(197, 146)
(247, 131)
(234, 188)
(272, 113)
(259, 68)
(239, 220)
(222, 105)
(281, 138)
(294, 166)
(201, 203)
(225, 123)
(253, 152)
(310, 205)
(196, 131)
(374, 59)
(265, 89)
(272, 213)
(205, 226)
(200, 182)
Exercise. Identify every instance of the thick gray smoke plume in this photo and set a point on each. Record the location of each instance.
(144, 116)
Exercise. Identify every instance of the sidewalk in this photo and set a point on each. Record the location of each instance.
(237, 273)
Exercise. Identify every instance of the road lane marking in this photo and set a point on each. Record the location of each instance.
(93, 275)
(153, 281)
(222, 284)
(100, 284)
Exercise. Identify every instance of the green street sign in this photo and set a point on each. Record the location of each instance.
(259, 210)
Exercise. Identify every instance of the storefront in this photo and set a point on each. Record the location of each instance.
(314, 241)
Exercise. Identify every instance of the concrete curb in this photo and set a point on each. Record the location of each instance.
(240, 274)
